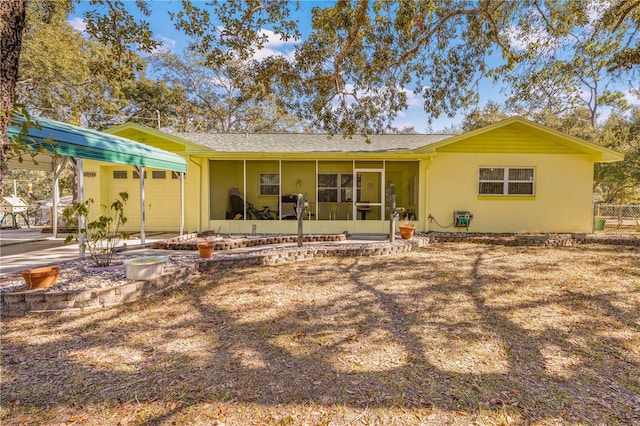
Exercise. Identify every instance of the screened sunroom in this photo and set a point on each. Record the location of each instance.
(335, 190)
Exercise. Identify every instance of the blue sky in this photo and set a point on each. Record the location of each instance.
(174, 40)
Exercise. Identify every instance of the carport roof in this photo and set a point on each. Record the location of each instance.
(73, 141)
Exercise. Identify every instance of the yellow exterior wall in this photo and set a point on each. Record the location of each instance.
(224, 176)
(514, 139)
(162, 196)
(305, 171)
(449, 182)
(436, 179)
(562, 201)
(92, 186)
(254, 168)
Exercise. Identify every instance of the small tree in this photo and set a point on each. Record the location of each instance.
(103, 234)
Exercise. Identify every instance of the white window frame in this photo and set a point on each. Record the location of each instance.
(262, 186)
(339, 188)
(505, 181)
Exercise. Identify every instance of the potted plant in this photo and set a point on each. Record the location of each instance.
(406, 228)
(43, 277)
(102, 235)
(205, 248)
(598, 223)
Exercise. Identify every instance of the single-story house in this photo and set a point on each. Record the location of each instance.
(511, 176)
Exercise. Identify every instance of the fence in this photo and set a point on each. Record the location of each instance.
(610, 215)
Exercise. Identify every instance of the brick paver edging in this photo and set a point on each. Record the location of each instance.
(189, 241)
(543, 240)
(21, 303)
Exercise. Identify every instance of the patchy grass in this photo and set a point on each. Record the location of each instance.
(450, 334)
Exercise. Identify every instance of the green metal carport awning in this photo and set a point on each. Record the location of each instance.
(68, 140)
(64, 140)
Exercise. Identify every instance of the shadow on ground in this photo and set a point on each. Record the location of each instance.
(451, 333)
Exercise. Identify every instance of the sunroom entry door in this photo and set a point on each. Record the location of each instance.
(369, 198)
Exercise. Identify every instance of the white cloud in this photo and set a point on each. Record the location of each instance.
(274, 40)
(265, 52)
(167, 44)
(632, 96)
(275, 46)
(522, 40)
(595, 11)
(413, 100)
(78, 24)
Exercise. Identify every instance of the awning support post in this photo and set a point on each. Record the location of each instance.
(181, 203)
(81, 220)
(58, 167)
(142, 211)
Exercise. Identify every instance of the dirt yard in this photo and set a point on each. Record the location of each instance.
(450, 334)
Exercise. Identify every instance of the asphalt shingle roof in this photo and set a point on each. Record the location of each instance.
(296, 142)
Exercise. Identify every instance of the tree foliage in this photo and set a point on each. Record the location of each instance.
(113, 29)
(568, 51)
(620, 182)
(354, 73)
(12, 21)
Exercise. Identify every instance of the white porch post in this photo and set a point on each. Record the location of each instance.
(181, 203)
(81, 219)
(142, 211)
(57, 170)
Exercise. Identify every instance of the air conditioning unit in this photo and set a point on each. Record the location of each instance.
(462, 218)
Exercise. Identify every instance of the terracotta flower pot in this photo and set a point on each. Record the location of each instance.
(406, 232)
(206, 249)
(44, 277)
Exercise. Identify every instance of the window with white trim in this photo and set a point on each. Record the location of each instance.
(269, 184)
(337, 187)
(506, 181)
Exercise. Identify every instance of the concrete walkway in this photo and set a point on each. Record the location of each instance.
(26, 248)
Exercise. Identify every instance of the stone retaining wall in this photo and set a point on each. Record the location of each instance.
(189, 242)
(41, 301)
(543, 240)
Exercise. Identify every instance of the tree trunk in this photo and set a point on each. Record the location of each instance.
(12, 22)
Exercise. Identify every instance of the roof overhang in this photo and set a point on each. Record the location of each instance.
(49, 138)
(595, 151)
(158, 139)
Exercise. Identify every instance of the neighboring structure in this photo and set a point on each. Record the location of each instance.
(511, 176)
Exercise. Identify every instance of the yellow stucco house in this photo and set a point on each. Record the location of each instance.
(511, 176)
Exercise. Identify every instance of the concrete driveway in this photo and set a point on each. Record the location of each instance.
(26, 248)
